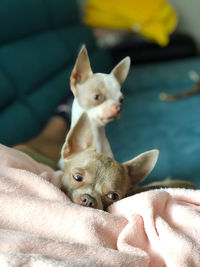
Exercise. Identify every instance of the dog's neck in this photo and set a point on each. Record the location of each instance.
(102, 144)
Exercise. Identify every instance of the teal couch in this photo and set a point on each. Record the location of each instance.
(39, 41)
(147, 122)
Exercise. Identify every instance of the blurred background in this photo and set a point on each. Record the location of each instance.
(39, 42)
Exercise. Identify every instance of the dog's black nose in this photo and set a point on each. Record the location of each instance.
(88, 201)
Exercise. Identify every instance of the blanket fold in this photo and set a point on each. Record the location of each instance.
(40, 226)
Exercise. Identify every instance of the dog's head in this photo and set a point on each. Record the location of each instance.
(95, 180)
(98, 94)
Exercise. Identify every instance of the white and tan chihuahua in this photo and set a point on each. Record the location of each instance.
(96, 180)
(99, 95)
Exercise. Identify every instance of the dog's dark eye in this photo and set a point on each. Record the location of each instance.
(113, 196)
(97, 97)
(77, 177)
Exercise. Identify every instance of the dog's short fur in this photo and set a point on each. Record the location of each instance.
(95, 180)
(99, 95)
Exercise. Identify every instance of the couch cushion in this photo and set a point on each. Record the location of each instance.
(22, 18)
(147, 122)
(39, 42)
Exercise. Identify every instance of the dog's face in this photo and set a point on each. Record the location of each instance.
(95, 180)
(98, 94)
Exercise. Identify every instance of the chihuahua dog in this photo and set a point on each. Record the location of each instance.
(195, 90)
(99, 95)
(96, 180)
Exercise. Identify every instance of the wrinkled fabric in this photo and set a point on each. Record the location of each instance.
(40, 226)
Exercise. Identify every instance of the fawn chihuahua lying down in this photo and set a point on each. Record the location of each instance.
(99, 95)
(95, 180)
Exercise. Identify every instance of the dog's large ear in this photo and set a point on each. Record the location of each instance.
(121, 70)
(141, 166)
(79, 138)
(81, 69)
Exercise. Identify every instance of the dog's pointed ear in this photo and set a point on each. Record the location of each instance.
(81, 69)
(121, 70)
(141, 166)
(79, 138)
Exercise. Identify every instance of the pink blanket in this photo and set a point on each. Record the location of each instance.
(39, 226)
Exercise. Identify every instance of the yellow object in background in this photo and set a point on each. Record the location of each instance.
(153, 19)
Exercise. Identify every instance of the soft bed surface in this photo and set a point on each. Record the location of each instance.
(40, 226)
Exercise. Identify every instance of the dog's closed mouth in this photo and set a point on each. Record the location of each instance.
(117, 116)
(109, 118)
